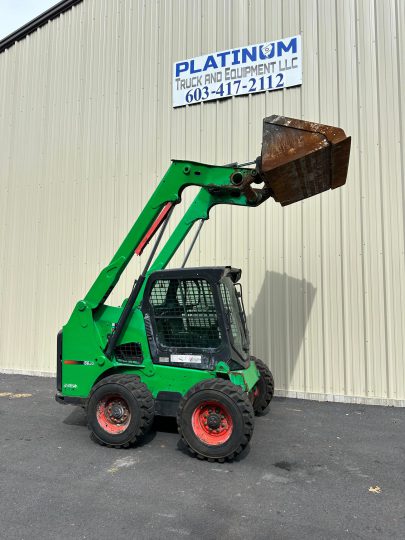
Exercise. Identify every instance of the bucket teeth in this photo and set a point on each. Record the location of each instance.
(300, 159)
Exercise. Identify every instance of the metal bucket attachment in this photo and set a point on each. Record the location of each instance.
(300, 159)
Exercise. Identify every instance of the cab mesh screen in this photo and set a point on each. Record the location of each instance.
(226, 298)
(185, 314)
(129, 353)
(231, 308)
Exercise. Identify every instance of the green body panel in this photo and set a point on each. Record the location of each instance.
(246, 378)
(78, 379)
(86, 333)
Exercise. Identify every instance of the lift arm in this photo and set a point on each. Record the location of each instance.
(299, 159)
(216, 182)
(199, 209)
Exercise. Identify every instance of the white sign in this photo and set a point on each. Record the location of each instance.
(186, 358)
(246, 70)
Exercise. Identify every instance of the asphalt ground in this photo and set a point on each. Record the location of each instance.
(307, 474)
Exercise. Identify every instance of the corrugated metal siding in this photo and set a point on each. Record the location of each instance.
(87, 130)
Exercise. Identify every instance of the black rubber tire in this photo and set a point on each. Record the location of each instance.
(265, 386)
(237, 405)
(140, 403)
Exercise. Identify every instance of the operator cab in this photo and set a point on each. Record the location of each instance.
(194, 318)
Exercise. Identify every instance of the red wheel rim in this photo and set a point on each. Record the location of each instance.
(212, 423)
(113, 414)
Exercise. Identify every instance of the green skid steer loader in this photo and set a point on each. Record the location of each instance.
(179, 344)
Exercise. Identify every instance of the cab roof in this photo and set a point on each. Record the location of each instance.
(214, 273)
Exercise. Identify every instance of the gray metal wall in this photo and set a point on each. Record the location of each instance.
(87, 129)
